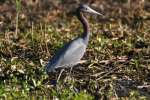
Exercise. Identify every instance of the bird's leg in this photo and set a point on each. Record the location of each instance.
(80, 62)
(60, 75)
(70, 70)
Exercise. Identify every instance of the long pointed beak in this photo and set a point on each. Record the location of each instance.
(94, 12)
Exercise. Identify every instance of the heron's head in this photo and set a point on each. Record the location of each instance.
(86, 8)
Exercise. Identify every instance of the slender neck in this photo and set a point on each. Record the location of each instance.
(86, 30)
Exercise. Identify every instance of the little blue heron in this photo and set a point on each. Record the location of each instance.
(71, 53)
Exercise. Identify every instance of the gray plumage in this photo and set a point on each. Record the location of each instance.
(71, 53)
